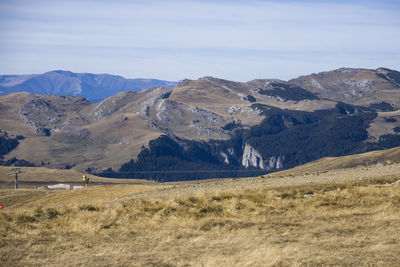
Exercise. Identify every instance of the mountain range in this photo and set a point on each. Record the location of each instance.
(94, 87)
(207, 127)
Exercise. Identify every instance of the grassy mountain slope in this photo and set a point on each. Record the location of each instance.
(63, 131)
(282, 140)
(386, 156)
(354, 86)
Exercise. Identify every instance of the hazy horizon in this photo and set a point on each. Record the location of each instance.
(174, 40)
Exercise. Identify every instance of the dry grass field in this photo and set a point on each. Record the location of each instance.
(388, 156)
(346, 217)
(38, 176)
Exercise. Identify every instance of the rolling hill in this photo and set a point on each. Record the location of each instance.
(208, 124)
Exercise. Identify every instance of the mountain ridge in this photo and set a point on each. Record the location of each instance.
(205, 116)
(94, 87)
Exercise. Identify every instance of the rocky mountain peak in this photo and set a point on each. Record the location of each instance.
(353, 86)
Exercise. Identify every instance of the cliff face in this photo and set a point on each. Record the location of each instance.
(251, 157)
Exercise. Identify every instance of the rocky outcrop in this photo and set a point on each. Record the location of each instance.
(206, 115)
(110, 105)
(152, 97)
(39, 113)
(205, 122)
(228, 155)
(253, 158)
(355, 88)
(249, 111)
(168, 111)
(233, 109)
(225, 157)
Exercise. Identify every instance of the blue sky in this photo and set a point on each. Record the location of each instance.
(176, 39)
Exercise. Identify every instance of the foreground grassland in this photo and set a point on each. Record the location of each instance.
(337, 223)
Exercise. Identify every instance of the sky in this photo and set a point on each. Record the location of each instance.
(177, 39)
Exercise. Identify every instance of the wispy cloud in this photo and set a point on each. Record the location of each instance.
(237, 40)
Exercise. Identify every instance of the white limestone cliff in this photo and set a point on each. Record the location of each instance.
(252, 157)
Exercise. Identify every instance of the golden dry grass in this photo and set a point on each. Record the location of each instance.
(388, 156)
(344, 223)
(43, 175)
(25, 200)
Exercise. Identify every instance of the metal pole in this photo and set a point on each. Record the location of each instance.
(15, 171)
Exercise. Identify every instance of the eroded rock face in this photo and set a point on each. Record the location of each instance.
(40, 113)
(168, 111)
(152, 97)
(356, 88)
(206, 115)
(205, 122)
(54, 115)
(110, 105)
(253, 158)
(247, 111)
(225, 157)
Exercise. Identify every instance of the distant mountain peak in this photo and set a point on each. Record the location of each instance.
(60, 71)
(94, 87)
